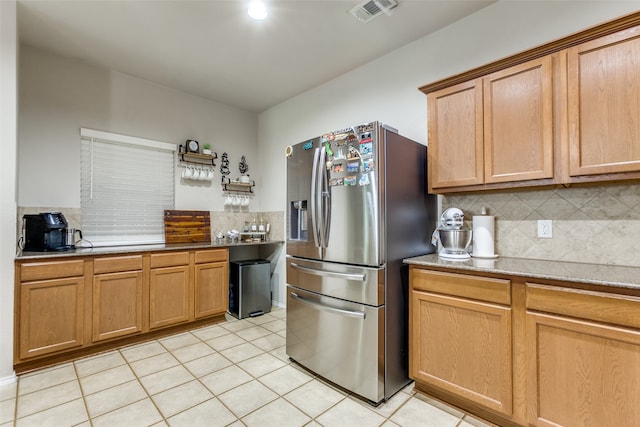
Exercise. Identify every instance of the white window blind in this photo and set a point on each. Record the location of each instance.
(126, 184)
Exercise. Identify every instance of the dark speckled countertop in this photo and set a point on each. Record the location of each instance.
(594, 274)
(122, 250)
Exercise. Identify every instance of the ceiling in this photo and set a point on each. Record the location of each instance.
(211, 48)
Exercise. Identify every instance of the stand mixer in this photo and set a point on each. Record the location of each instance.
(452, 235)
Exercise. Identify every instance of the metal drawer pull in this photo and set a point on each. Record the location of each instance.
(319, 272)
(322, 307)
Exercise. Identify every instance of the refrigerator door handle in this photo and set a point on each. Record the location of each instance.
(326, 198)
(315, 198)
(322, 307)
(336, 274)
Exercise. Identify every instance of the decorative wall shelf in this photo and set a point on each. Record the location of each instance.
(253, 236)
(196, 158)
(242, 187)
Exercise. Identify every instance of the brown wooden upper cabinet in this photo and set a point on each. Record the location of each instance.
(604, 104)
(456, 136)
(563, 113)
(498, 128)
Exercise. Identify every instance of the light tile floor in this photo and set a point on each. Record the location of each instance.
(235, 373)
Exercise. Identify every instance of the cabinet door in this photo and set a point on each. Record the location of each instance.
(211, 289)
(604, 104)
(455, 136)
(581, 373)
(464, 347)
(117, 305)
(51, 316)
(518, 122)
(168, 296)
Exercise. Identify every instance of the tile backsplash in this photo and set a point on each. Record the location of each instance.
(220, 220)
(590, 224)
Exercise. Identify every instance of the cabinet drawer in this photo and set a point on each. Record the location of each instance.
(51, 270)
(211, 255)
(474, 287)
(115, 264)
(170, 259)
(603, 307)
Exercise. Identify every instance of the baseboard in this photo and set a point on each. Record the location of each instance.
(8, 380)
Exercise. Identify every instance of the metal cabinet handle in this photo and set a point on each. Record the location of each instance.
(322, 307)
(319, 272)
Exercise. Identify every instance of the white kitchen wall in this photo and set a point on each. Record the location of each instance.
(387, 88)
(8, 138)
(59, 95)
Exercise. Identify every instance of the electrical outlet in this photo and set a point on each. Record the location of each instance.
(545, 228)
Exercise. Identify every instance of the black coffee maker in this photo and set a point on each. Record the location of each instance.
(46, 231)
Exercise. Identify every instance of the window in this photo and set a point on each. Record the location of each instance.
(126, 184)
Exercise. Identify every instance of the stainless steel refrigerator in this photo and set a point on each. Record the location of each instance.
(357, 205)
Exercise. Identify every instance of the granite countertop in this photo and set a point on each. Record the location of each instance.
(108, 250)
(595, 274)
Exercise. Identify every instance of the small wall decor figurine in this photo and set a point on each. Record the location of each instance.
(224, 164)
(244, 167)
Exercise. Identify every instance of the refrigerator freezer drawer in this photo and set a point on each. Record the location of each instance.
(362, 285)
(340, 341)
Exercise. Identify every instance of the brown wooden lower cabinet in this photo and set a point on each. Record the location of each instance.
(117, 297)
(459, 344)
(582, 373)
(169, 292)
(51, 316)
(211, 284)
(65, 308)
(170, 289)
(540, 355)
(584, 369)
(464, 347)
(117, 305)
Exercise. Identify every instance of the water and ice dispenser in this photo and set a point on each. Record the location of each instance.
(298, 217)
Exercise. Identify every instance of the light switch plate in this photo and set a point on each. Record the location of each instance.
(545, 228)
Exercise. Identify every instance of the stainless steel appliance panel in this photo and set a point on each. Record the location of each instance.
(357, 202)
(354, 234)
(352, 283)
(348, 348)
(300, 235)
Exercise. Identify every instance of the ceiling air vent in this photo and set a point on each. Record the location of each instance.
(369, 9)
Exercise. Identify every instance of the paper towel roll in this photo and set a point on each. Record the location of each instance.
(483, 235)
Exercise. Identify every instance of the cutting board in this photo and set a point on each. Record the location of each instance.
(187, 226)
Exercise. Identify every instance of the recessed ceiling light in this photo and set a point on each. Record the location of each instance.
(257, 10)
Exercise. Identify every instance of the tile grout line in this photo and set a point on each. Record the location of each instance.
(197, 378)
(150, 396)
(258, 379)
(82, 395)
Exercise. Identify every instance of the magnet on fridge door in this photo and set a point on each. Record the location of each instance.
(327, 148)
(349, 181)
(336, 181)
(338, 168)
(367, 165)
(366, 148)
(353, 167)
(364, 180)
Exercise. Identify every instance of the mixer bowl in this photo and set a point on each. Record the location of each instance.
(455, 241)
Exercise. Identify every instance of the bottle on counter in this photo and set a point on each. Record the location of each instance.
(254, 225)
(261, 226)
